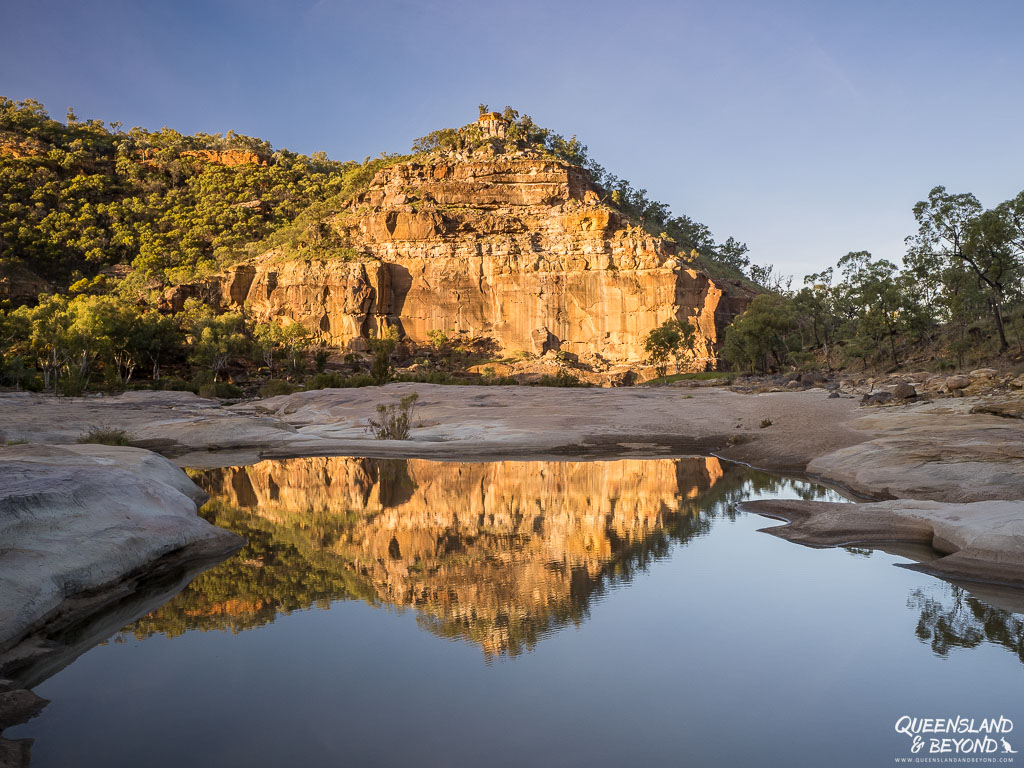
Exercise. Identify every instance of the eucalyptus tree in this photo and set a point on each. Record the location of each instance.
(955, 235)
(672, 339)
(883, 299)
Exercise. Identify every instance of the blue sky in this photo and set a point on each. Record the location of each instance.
(806, 129)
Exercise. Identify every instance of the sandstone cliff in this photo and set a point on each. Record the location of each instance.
(514, 247)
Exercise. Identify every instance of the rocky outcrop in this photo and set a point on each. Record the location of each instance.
(228, 157)
(77, 520)
(956, 479)
(519, 248)
(931, 454)
(20, 285)
(980, 541)
(18, 146)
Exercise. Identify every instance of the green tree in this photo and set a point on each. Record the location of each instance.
(216, 339)
(153, 338)
(817, 309)
(955, 232)
(761, 337)
(884, 300)
(670, 340)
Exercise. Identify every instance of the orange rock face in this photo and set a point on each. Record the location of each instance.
(515, 248)
(227, 157)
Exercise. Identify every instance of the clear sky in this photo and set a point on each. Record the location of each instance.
(807, 129)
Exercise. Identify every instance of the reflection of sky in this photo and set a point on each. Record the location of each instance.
(737, 649)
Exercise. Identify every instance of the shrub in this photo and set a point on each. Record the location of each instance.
(563, 378)
(429, 377)
(438, 338)
(276, 387)
(382, 348)
(766, 423)
(105, 436)
(336, 381)
(394, 421)
(320, 358)
(173, 384)
(220, 389)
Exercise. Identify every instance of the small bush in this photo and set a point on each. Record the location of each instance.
(221, 389)
(563, 378)
(438, 338)
(320, 358)
(336, 381)
(394, 421)
(765, 423)
(70, 385)
(173, 384)
(428, 377)
(498, 381)
(276, 387)
(105, 436)
(727, 378)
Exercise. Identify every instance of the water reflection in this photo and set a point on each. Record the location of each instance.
(501, 555)
(498, 553)
(954, 618)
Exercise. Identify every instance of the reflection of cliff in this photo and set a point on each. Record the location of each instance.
(498, 553)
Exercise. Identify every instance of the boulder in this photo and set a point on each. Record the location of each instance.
(78, 519)
(1009, 409)
(878, 398)
(954, 383)
(981, 541)
(813, 379)
(904, 391)
(983, 373)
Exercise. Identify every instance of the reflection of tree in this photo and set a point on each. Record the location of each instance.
(499, 553)
(277, 572)
(966, 623)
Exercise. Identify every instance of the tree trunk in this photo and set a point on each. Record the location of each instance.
(998, 314)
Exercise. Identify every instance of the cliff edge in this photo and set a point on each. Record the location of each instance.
(517, 247)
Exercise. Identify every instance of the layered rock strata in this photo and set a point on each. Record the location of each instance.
(517, 248)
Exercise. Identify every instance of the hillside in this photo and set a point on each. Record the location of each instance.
(508, 244)
(500, 231)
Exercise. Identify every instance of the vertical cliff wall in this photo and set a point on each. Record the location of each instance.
(518, 248)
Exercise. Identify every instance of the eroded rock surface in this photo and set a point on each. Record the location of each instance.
(77, 519)
(980, 541)
(931, 453)
(518, 248)
(956, 476)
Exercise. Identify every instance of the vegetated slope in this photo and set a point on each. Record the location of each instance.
(486, 232)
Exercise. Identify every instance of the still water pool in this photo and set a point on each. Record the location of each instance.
(392, 612)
